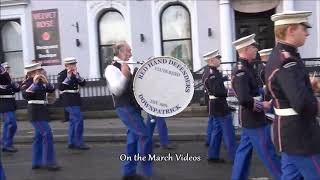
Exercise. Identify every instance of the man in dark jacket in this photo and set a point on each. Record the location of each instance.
(255, 131)
(7, 109)
(219, 111)
(34, 90)
(264, 55)
(69, 81)
(297, 132)
(3, 77)
(205, 74)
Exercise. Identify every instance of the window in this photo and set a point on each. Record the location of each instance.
(112, 29)
(176, 33)
(11, 47)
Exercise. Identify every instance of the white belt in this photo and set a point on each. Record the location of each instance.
(212, 97)
(285, 112)
(37, 102)
(6, 96)
(258, 98)
(69, 91)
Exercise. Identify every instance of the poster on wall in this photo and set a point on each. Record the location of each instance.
(46, 37)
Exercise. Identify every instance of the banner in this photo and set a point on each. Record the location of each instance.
(46, 37)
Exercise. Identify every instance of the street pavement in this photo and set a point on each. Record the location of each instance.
(112, 129)
(107, 138)
(102, 162)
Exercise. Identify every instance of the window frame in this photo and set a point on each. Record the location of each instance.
(162, 41)
(2, 52)
(99, 36)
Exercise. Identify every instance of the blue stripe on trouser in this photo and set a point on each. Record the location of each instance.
(9, 129)
(138, 140)
(260, 140)
(2, 176)
(222, 127)
(160, 122)
(75, 125)
(298, 167)
(42, 147)
(209, 129)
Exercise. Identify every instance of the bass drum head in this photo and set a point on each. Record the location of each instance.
(163, 86)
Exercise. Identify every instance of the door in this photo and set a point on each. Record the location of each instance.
(258, 23)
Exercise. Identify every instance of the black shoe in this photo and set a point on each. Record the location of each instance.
(53, 168)
(71, 146)
(135, 177)
(9, 149)
(216, 160)
(206, 145)
(169, 147)
(156, 145)
(37, 167)
(82, 147)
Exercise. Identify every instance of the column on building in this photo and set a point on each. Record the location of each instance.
(226, 33)
(288, 5)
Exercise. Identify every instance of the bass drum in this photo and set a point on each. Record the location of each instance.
(163, 86)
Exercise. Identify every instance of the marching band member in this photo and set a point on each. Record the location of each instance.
(219, 111)
(120, 82)
(7, 109)
(205, 74)
(69, 81)
(297, 132)
(34, 90)
(3, 77)
(264, 55)
(255, 131)
(2, 175)
(160, 122)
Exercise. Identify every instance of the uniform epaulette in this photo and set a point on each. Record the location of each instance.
(289, 64)
(240, 73)
(212, 76)
(284, 55)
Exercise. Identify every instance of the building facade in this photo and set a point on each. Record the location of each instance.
(186, 29)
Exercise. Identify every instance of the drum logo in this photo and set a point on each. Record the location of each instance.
(163, 86)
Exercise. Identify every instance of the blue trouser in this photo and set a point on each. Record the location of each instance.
(222, 126)
(162, 128)
(297, 167)
(42, 146)
(209, 129)
(260, 140)
(75, 126)
(2, 176)
(138, 140)
(9, 129)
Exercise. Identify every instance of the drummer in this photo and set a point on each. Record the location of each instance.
(264, 55)
(219, 111)
(120, 82)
